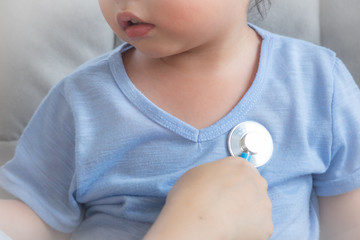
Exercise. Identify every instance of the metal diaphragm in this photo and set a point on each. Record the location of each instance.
(252, 138)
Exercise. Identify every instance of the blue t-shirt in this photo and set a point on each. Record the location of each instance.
(98, 158)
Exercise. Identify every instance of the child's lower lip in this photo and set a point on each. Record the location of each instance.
(137, 31)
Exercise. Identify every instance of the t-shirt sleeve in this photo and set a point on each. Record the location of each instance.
(42, 172)
(343, 172)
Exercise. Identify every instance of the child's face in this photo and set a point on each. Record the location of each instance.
(174, 26)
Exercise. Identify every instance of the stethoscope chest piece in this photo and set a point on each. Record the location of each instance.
(251, 139)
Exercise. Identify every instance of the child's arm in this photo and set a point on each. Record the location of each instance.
(19, 222)
(340, 216)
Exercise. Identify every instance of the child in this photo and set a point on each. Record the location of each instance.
(110, 140)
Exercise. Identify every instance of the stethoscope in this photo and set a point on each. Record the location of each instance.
(252, 141)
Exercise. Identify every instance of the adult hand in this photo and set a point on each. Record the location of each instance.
(225, 199)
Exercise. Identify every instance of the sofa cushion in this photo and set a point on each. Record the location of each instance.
(294, 18)
(340, 32)
(41, 42)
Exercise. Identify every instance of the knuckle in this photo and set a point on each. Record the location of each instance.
(270, 225)
(262, 183)
(268, 204)
(270, 230)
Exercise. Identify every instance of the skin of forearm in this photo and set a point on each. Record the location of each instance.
(19, 222)
(340, 216)
(353, 233)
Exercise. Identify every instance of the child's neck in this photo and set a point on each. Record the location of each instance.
(202, 85)
(215, 57)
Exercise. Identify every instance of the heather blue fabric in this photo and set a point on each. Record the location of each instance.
(98, 158)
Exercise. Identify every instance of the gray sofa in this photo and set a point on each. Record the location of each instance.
(42, 41)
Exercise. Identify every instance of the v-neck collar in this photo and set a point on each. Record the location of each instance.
(155, 113)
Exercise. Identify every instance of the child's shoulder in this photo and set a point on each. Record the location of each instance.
(99, 70)
(96, 65)
(300, 61)
(297, 50)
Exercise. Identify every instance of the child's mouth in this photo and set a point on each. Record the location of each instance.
(134, 22)
(133, 26)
